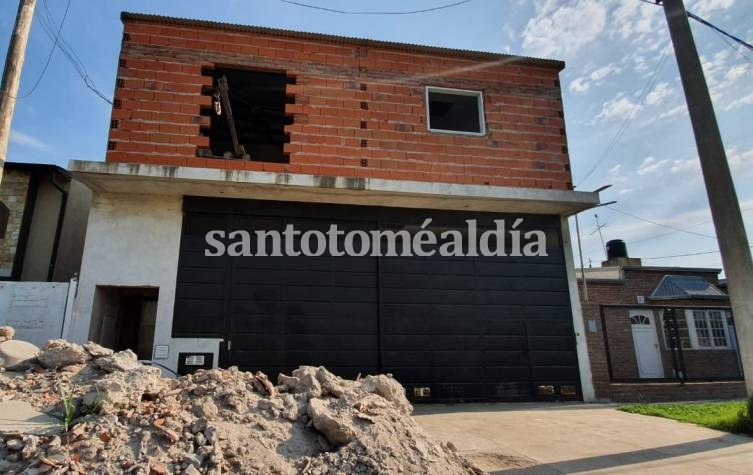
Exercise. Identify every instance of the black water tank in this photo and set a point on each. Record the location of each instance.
(616, 248)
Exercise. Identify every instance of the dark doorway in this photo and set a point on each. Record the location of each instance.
(124, 318)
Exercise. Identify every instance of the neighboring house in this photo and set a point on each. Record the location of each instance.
(322, 130)
(43, 216)
(659, 333)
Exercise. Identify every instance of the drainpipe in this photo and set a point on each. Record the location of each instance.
(59, 227)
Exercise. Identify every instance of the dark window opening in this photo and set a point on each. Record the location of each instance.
(257, 105)
(4, 215)
(452, 110)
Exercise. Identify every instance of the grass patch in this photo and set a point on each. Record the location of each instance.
(728, 416)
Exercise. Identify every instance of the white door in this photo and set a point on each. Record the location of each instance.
(646, 344)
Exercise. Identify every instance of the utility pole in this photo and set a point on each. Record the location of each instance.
(14, 63)
(725, 209)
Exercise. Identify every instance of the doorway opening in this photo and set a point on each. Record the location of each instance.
(125, 318)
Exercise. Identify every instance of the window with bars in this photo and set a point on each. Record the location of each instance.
(710, 329)
(699, 330)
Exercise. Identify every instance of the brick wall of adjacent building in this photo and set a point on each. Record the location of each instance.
(358, 111)
(610, 302)
(13, 192)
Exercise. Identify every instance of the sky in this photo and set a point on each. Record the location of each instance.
(625, 112)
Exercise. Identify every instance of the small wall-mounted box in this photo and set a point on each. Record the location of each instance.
(190, 362)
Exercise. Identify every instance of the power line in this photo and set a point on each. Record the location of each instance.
(733, 47)
(626, 123)
(661, 224)
(707, 23)
(49, 25)
(683, 255)
(351, 12)
(49, 56)
(705, 221)
(719, 30)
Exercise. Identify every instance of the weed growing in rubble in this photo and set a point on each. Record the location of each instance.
(68, 412)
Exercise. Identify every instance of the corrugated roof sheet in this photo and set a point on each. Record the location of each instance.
(461, 53)
(686, 286)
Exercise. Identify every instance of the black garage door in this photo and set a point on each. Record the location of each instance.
(466, 328)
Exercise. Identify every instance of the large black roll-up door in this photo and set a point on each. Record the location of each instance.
(467, 328)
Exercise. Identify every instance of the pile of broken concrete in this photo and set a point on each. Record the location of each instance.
(120, 416)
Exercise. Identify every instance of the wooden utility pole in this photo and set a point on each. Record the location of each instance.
(725, 209)
(14, 63)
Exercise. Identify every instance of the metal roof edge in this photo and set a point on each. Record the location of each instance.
(470, 54)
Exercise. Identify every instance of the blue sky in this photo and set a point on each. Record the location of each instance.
(617, 53)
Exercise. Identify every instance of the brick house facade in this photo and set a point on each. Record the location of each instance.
(356, 108)
(220, 126)
(709, 372)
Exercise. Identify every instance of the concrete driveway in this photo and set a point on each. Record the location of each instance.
(583, 438)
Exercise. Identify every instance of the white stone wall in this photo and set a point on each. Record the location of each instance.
(133, 240)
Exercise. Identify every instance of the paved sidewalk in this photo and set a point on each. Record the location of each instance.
(532, 438)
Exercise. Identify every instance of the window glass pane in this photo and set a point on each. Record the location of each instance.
(717, 328)
(683, 334)
(701, 329)
(455, 112)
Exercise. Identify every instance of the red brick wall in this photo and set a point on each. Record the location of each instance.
(699, 364)
(157, 117)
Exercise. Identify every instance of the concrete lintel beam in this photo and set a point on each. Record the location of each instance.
(170, 180)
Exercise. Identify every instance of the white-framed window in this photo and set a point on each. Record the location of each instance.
(710, 329)
(701, 330)
(455, 111)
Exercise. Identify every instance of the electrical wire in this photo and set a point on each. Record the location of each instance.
(705, 221)
(734, 48)
(49, 25)
(49, 56)
(660, 224)
(684, 255)
(351, 12)
(719, 30)
(626, 123)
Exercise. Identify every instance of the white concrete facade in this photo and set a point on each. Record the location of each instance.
(133, 241)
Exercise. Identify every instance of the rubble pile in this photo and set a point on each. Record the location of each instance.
(119, 416)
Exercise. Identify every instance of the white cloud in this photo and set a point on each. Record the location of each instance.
(743, 101)
(686, 166)
(620, 107)
(673, 111)
(704, 8)
(615, 175)
(651, 165)
(739, 160)
(561, 29)
(735, 72)
(28, 141)
(658, 94)
(594, 78)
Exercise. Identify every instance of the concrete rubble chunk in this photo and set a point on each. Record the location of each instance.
(336, 429)
(7, 333)
(389, 389)
(96, 350)
(60, 353)
(18, 355)
(125, 360)
(127, 418)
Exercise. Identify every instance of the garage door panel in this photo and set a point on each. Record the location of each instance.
(553, 358)
(345, 326)
(504, 342)
(469, 328)
(188, 290)
(505, 358)
(341, 342)
(550, 343)
(566, 374)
